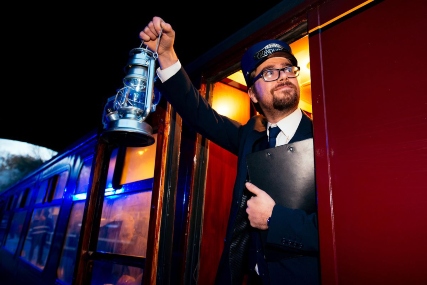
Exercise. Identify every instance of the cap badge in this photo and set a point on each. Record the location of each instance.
(267, 50)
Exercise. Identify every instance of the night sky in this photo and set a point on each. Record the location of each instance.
(61, 63)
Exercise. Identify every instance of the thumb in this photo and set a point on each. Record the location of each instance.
(252, 188)
(166, 27)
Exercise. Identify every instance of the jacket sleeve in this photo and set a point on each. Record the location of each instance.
(293, 230)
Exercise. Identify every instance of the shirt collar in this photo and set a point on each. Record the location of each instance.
(289, 124)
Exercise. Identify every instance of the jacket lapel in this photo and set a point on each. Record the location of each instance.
(304, 130)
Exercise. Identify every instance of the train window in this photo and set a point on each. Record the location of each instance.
(83, 182)
(138, 164)
(124, 224)
(39, 236)
(3, 225)
(54, 187)
(125, 215)
(11, 204)
(15, 231)
(124, 231)
(69, 251)
(60, 181)
(42, 191)
(24, 198)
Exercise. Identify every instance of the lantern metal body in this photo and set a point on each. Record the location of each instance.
(125, 113)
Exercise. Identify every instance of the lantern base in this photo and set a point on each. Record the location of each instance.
(129, 133)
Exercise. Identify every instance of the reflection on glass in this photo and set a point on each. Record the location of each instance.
(124, 230)
(39, 236)
(24, 198)
(124, 224)
(138, 164)
(83, 183)
(109, 273)
(42, 191)
(15, 231)
(125, 216)
(69, 251)
(61, 181)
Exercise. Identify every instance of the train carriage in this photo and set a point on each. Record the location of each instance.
(105, 213)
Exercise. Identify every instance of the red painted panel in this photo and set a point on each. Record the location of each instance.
(219, 187)
(331, 10)
(370, 128)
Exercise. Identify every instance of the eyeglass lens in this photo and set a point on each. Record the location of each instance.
(274, 74)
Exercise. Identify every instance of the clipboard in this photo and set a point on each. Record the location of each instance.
(286, 173)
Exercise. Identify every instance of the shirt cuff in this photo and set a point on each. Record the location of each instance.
(165, 74)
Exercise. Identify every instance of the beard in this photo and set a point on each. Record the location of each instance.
(289, 98)
(281, 100)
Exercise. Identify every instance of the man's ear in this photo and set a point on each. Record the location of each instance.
(251, 94)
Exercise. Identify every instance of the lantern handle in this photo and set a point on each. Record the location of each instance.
(155, 54)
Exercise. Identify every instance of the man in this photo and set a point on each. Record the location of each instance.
(41, 227)
(270, 243)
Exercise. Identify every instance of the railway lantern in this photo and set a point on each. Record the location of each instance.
(125, 113)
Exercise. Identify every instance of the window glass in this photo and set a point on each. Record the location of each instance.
(110, 273)
(24, 198)
(15, 231)
(83, 182)
(21, 199)
(61, 183)
(124, 224)
(28, 196)
(3, 226)
(138, 164)
(42, 191)
(12, 202)
(39, 236)
(69, 251)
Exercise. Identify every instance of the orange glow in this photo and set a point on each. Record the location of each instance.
(139, 163)
(301, 51)
(231, 102)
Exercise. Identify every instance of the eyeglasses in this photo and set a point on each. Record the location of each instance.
(272, 74)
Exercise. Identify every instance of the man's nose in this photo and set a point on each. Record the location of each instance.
(283, 75)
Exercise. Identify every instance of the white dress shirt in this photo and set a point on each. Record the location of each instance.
(165, 74)
(288, 126)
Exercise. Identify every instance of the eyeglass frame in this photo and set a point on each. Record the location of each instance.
(289, 69)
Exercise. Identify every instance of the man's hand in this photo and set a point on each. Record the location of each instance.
(259, 207)
(150, 36)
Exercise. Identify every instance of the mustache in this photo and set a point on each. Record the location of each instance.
(286, 83)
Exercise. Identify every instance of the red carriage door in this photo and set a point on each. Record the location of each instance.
(368, 72)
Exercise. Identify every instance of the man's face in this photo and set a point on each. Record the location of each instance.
(278, 96)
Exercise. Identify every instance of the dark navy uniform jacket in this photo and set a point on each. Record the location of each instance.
(284, 263)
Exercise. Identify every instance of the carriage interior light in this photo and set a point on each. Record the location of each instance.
(125, 113)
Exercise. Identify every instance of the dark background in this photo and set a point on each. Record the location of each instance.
(61, 62)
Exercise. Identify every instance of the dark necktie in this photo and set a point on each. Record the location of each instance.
(273, 132)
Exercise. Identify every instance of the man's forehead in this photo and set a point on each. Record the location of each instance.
(274, 61)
